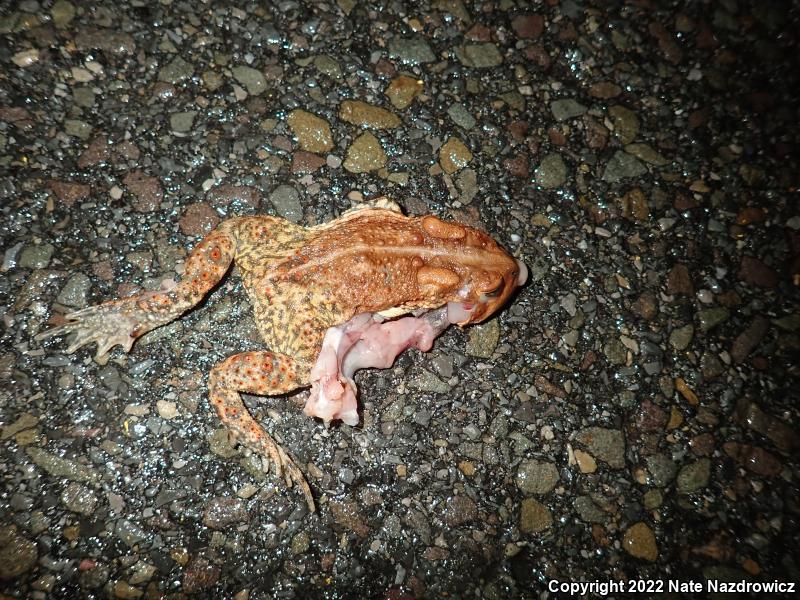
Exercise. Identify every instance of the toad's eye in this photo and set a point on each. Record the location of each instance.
(493, 293)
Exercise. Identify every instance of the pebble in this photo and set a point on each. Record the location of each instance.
(646, 153)
(286, 200)
(62, 13)
(347, 515)
(625, 122)
(79, 499)
(61, 467)
(605, 90)
(528, 26)
(223, 512)
(199, 575)
(711, 366)
(198, 219)
(483, 339)
(328, 66)
(551, 172)
(749, 339)
(69, 193)
(461, 116)
(18, 555)
(694, 476)
(454, 155)
(25, 58)
(307, 162)
(634, 205)
(365, 154)
(640, 542)
(130, 533)
(606, 444)
(411, 50)
(710, 318)
(467, 184)
(176, 71)
(755, 459)
(182, 122)
(536, 478)
(479, 56)
(534, 516)
(252, 79)
(615, 352)
(662, 470)
(623, 166)
(459, 510)
(167, 409)
(35, 257)
(679, 281)
(566, 108)
(366, 115)
(147, 191)
(586, 462)
(77, 128)
(402, 90)
(588, 510)
(312, 132)
(301, 542)
(681, 337)
(755, 272)
(425, 381)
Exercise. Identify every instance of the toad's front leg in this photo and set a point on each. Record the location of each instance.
(263, 373)
(123, 321)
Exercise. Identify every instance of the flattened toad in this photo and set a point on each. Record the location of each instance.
(327, 301)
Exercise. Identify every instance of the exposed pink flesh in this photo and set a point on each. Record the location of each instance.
(365, 342)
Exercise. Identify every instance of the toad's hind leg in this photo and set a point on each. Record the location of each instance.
(263, 373)
(123, 321)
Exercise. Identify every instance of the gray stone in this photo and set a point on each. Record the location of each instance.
(79, 499)
(606, 444)
(615, 352)
(661, 468)
(551, 172)
(425, 381)
(412, 50)
(588, 510)
(646, 153)
(623, 166)
(83, 96)
(176, 71)
(77, 128)
(626, 123)
(681, 337)
(694, 476)
(566, 108)
(252, 79)
(36, 257)
(479, 56)
(130, 533)
(483, 339)
(286, 201)
(182, 122)
(711, 317)
(461, 116)
(60, 467)
(534, 477)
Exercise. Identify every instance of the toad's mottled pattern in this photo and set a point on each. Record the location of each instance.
(321, 295)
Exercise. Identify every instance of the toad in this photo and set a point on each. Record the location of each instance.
(328, 300)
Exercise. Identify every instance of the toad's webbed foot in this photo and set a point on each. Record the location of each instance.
(118, 322)
(263, 373)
